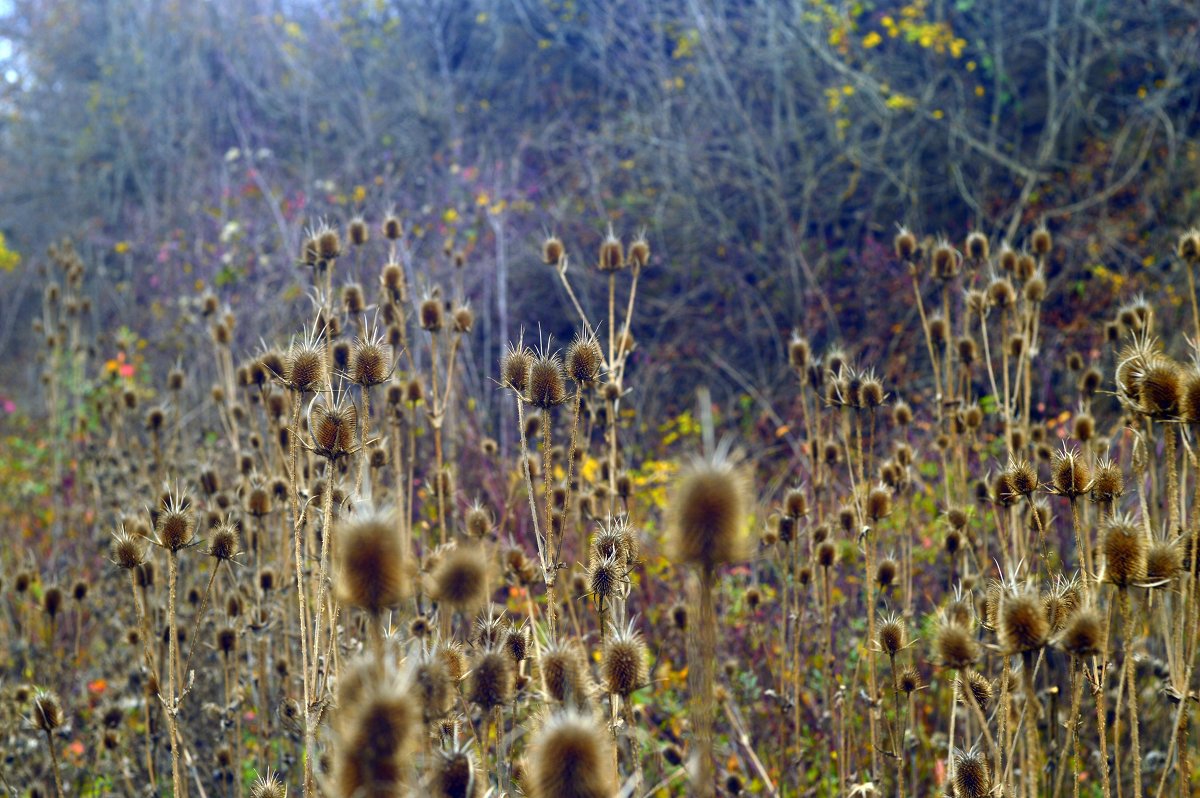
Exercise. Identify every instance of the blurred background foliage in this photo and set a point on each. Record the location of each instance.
(769, 147)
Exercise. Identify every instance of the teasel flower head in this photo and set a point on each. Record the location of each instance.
(371, 564)
(553, 251)
(225, 542)
(127, 551)
(972, 778)
(909, 680)
(612, 253)
(377, 732)
(980, 687)
(584, 360)
(1022, 477)
(460, 578)
(1160, 388)
(1070, 474)
(47, 711)
(1023, 624)
(945, 261)
(906, 246)
(176, 525)
(1164, 561)
(455, 772)
(1125, 546)
(564, 674)
(879, 503)
(707, 513)
(570, 757)
(268, 785)
(1108, 483)
(639, 253)
(624, 661)
(955, 646)
(1083, 634)
(304, 365)
(547, 381)
(333, 425)
(370, 361)
(491, 681)
(892, 636)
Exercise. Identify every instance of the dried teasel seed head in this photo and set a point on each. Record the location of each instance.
(1023, 624)
(357, 231)
(127, 551)
(909, 680)
(432, 315)
(176, 525)
(1022, 476)
(977, 246)
(902, 414)
(708, 511)
(371, 568)
(376, 734)
(1070, 474)
(1083, 634)
(905, 245)
(1164, 561)
(955, 646)
(464, 319)
(886, 572)
(1108, 483)
(547, 381)
(1040, 242)
(564, 676)
(826, 554)
(972, 778)
(879, 503)
(639, 253)
(1159, 388)
(1125, 547)
(491, 680)
(553, 251)
(612, 254)
(978, 686)
(47, 711)
(1000, 292)
(623, 663)
(892, 636)
(461, 576)
(370, 361)
(268, 786)
(225, 541)
(584, 360)
(799, 353)
(570, 757)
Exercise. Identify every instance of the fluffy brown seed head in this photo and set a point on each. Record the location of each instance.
(304, 367)
(955, 646)
(464, 319)
(624, 663)
(378, 731)
(707, 514)
(1023, 624)
(460, 579)
(945, 261)
(879, 503)
(370, 361)
(371, 563)
(826, 554)
(892, 635)
(127, 551)
(909, 680)
(570, 757)
(333, 427)
(491, 681)
(47, 711)
(1000, 292)
(176, 525)
(972, 778)
(979, 687)
(1022, 477)
(268, 785)
(902, 414)
(584, 360)
(225, 543)
(977, 246)
(1108, 482)
(1164, 561)
(1083, 634)
(547, 381)
(886, 572)
(1125, 548)
(1160, 388)
(432, 315)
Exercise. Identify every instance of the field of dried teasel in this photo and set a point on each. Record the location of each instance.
(323, 576)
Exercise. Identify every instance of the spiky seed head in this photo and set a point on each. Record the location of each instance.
(979, 686)
(1041, 242)
(553, 251)
(1108, 482)
(1164, 561)
(886, 572)
(639, 253)
(939, 330)
(799, 353)
(584, 360)
(1000, 292)
(905, 245)
(977, 246)
(491, 680)
(1125, 548)
(612, 254)
(624, 663)
(334, 427)
(370, 361)
(1160, 388)
(909, 680)
(795, 503)
(226, 640)
(879, 503)
(357, 231)
(547, 381)
(1026, 266)
(460, 579)
(605, 576)
(176, 525)
(1023, 624)
(972, 778)
(47, 711)
(826, 554)
(1002, 491)
(371, 562)
(1035, 288)
(968, 352)
(52, 601)
(432, 315)
(305, 366)
(1070, 474)
(1083, 634)
(902, 414)
(225, 543)
(871, 392)
(464, 319)
(708, 511)
(455, 774)
(892, 635)
(377, 732)
(268, 786)
(955, 646)
(127, 551)
(570, 757)
(945, 261)
(1022, 477)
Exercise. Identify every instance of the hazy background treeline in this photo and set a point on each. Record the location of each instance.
(768, 146)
